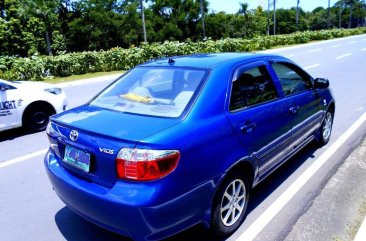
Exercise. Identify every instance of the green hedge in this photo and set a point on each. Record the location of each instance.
(41, 67)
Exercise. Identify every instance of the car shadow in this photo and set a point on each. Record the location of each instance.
(75, 228)
(14, 133)
(273, 181)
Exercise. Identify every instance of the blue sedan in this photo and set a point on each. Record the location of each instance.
(180, 141)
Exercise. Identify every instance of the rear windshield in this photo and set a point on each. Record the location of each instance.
(153, 91)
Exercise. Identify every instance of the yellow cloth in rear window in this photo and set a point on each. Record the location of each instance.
(138, 98)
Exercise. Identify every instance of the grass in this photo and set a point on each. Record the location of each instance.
(352, 227)
(80, 77)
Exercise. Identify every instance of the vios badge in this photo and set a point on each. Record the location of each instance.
(74, 135)
(107, 151)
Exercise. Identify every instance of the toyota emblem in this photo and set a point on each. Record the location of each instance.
(74, 135)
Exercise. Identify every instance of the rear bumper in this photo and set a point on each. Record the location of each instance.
(131, 209)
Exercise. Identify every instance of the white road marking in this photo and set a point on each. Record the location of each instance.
(364, 49)
(344, 55)
(261, 222)
(314, 50)
(311, 66)
(361, 233)
(337, 45)
(22, 158)
(289, 55)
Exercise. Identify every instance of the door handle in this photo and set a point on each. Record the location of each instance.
(248, 127)
(294, 109)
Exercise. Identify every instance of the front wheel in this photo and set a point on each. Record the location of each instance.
(36, 117)
(230, 205)
(325, 129)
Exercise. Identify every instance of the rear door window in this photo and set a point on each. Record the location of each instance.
(252, 87)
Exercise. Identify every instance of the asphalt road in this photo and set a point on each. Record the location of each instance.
(30, 210)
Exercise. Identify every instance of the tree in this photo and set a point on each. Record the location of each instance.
(46, 11)
(203, 18)
(143, 20)
(297, 15)
(104, 24)
(257, 25)
(17, 33)
(244, 10)
(318, 19)
(340, 4)
(274, 17)
(2, 8)
(177, 19)
(268, 16)
(328, 14)
(219, 25)
(350, 4)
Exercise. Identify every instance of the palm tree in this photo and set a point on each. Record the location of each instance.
(244, 10)
(363, 7)
(341, 6)
(203, 20)
(328, 21)
(351, 4)
(274, 17)
(143, 20)
(297, 15)
(44, 10)
(268, 16)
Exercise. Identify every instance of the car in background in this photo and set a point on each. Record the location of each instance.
(29, 104)
(180, 141)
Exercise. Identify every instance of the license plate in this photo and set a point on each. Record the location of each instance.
(77, 158)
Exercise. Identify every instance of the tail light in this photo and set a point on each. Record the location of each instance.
(145, 165)
(52, 137)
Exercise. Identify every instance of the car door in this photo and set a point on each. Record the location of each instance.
(304, 102)
(8, 107)
(260, 118)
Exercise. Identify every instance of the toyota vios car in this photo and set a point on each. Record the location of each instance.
(181, 141)
(29, 104)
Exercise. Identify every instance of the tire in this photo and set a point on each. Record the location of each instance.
(325, 130)
(36, 117)
(229, 207)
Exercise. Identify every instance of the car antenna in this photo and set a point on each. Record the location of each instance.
(171, 61)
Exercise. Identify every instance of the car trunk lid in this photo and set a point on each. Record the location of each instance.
(99, 134)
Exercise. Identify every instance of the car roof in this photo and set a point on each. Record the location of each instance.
(208, 60)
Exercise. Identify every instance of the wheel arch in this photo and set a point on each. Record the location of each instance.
(331, 108)
(245, 167)
(38, 103)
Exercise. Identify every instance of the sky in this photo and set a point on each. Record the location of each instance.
(232, 6)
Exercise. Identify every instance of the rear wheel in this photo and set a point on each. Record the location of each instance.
(230, 205)
(36, 116)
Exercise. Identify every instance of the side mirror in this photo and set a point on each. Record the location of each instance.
(321, 83)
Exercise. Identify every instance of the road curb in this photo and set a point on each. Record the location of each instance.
(361, 233)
